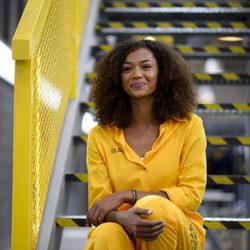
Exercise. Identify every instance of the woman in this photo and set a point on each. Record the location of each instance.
(146, 157)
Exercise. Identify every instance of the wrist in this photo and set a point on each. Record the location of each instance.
(126, 196)
(118, 217)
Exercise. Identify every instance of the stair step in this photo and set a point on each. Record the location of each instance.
(226, 108)
(211, 179)
(190, 52)
(209, 222)
(227, 78)
(175, 7)
(181, 28)
(212, 108)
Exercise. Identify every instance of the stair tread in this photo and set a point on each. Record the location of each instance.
(209, 222)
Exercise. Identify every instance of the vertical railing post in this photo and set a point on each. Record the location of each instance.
(22, 183)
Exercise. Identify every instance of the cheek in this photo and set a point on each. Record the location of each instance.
(124, 79)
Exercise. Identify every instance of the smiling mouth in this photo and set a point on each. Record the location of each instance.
(137, 85)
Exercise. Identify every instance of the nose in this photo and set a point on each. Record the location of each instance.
(137, 73)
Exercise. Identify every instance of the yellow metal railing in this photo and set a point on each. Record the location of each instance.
(45, 48)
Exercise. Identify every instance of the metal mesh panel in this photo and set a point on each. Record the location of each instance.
(52, 75)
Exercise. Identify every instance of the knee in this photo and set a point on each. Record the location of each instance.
(162, 208)
(103, 231)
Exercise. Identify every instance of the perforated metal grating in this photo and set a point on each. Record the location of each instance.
(52, 76)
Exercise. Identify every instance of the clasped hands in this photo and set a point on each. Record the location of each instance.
(134, 220)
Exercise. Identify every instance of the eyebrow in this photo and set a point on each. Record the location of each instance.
(146, 60)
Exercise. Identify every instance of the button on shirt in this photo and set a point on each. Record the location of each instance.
(176, 164)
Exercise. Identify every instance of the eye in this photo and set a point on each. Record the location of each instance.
(146, 66)
(126, 68)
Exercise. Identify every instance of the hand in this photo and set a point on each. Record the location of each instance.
(133, 220)
(100, 208)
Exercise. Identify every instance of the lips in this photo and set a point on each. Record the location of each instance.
(137, 85)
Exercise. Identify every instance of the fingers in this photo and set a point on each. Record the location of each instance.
(149, 234)
(156, 228)
(95, 216)
(141, 211)
(145, 229)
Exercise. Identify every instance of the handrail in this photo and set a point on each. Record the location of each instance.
(45, 47)
(26, 35)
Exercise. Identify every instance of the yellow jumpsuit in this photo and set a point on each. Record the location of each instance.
(176, 164)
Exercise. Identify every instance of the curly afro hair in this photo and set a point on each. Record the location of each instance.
(174, 97)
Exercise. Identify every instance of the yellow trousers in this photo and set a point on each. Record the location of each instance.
(178, 235)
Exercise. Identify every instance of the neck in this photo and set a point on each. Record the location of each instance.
(142, 112)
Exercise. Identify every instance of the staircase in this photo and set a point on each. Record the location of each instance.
(219, 68)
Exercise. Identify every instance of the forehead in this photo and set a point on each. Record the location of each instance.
(140, 54)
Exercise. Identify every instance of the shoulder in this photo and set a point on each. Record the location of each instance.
(195, 119)
(193, 124)
(189, 122)
(99, 131)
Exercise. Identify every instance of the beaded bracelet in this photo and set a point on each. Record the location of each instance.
(134, 200)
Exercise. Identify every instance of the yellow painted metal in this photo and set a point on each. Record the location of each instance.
(142, 5)
(189, 25)
(106, 48)
(116, 25)
(202, 76)
(188, 4)
(213, 106)
(242, 106)
(165, 5)
(22, 163)
(98, 26)
(66, 222)
(238, 25)
(238, 50)
(230, 76)
(247, 178)
(235, 5)
(119, 5)
(140, 25)
(211, 4)
(211, 49)
(245, 224)
(222, 180)
(84, 138)
(213, 25)
(45, 49)
(25, 38)
(91, 75)
(81, 17)
(90, 104)
(244, 140)
(214, 225)
(82, 177)
(164, 24)
(217, 140)
(186, 49)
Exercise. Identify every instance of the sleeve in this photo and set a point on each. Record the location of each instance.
(98, 177)
(189, 191)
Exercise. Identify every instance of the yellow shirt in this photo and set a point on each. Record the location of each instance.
(176, 164)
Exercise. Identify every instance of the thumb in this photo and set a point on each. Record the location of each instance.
(141, 211)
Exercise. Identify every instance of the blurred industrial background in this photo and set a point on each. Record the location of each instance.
(56, 46)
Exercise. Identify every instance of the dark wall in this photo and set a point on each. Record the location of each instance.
(6, 144)
(10, 13)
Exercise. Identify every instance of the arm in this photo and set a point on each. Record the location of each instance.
(189, 191)
(103, 203)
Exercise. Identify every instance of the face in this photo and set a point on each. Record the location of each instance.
(140, 73)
